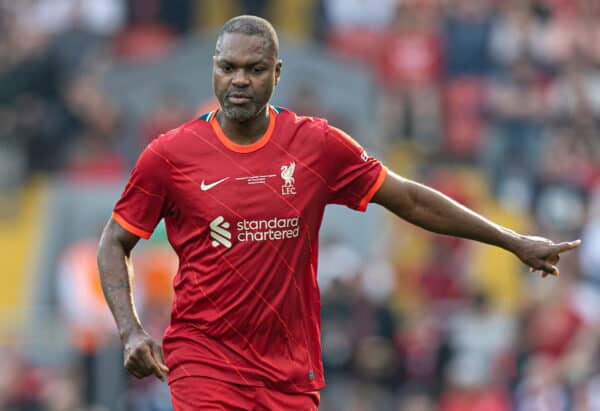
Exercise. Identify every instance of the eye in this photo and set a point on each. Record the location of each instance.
(258, 70)
(227, 68)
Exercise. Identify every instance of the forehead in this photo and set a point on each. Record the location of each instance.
(241, 47)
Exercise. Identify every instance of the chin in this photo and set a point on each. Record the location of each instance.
(239, 114)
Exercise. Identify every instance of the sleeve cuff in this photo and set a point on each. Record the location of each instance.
(130, 227)
(364, 202)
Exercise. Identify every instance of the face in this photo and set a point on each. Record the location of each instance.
(245, 72)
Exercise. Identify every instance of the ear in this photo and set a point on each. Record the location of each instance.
(278, 66)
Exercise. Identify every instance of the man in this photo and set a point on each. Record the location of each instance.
(242, 191)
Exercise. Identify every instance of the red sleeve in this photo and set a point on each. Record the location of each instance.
(143, 201)
(353, 176)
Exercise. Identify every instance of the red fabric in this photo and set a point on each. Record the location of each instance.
(487, 400)
(142, 42)
(465, 124)
(564, 8)
(247, 304)
(198, 393)
(410, 59)
(438, 283)
(358, 43)
(105, 166)
(553, 328)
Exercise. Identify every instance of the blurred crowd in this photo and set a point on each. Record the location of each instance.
(508, 90)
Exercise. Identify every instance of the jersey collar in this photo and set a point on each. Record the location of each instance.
(244, 148)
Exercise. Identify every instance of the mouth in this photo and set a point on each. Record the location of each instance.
(238, 98)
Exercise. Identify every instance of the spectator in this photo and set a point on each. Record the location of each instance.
(466, 33)
(409, 66)
(354, 27)
(481, 339)
(517, 35)
(589, 257)
(100, 17)
(345, 14)
(516, 111)
(541, 386)
(511, 85)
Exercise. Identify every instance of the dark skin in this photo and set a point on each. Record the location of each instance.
(142, 355)
(433, 211)
(245, 72)
(245, 66)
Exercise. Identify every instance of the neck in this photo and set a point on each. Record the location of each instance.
(246, 132)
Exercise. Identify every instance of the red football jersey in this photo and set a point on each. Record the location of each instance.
(244, 221)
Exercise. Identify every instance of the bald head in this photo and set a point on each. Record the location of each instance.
(246, 68)
(251, 26)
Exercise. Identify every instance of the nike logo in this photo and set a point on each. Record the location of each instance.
(206, 187)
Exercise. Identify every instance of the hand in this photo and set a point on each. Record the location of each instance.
(143, 356)
(542, 254)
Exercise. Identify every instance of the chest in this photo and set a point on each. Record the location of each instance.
(261, 188)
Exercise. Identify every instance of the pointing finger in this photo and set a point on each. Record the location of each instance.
(566, 246)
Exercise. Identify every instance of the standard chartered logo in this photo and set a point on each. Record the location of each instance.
(271, 229)
(268, 229)
(219, 233)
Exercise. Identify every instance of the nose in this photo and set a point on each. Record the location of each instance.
(240, 78)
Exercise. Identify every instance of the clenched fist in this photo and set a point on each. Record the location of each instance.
(143, 356)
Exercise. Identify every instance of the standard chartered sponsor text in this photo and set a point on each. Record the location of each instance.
(268, 229)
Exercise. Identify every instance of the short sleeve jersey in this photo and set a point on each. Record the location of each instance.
(244, 221)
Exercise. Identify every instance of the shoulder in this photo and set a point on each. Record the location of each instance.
(305, 124)
(184, 131)
(186, 135)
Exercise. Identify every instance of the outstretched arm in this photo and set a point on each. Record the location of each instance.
(433, 211)
(143, 356)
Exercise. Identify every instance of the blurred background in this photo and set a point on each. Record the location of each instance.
(494, 102)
